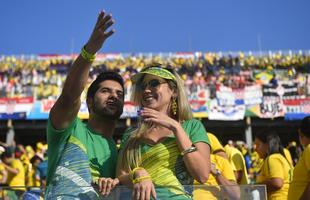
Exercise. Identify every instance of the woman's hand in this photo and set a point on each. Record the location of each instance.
(106, 185)
(158, 118)
(99, 34)
(144, 189)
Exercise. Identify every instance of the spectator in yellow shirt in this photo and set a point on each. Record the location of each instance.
(236, 159)
(3, 173)
(288, 156)
(221, 175)
(276, 171)
(300, 186)
(216, 146)
(16, 172)
(33, 178)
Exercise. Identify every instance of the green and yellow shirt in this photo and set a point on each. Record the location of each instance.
(165, 164)
(77, 156)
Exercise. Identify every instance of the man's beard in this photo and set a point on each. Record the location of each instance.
(109, 113)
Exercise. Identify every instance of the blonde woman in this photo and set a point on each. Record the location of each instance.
(169, 148)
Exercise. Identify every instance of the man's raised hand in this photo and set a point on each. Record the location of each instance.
(100, 33)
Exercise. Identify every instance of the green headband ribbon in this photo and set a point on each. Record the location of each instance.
(156, 71)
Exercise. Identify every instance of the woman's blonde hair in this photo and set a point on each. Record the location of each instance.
(130, 156)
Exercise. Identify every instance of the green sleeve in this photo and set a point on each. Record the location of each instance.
(196, 131)
(59, 136)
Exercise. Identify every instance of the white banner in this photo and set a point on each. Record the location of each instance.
(253, 95)
(226, 113)
(225, 96)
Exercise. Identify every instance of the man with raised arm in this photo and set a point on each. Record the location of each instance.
(80, 153)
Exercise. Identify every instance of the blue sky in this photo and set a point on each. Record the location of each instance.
(63, 26)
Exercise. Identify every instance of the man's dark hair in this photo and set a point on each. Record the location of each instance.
(34, 158)
(8, 153)
(107, 75)
(305, 126)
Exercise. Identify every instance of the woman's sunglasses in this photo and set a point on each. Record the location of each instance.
(152, 84)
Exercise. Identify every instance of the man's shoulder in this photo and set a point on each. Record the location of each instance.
(17, 163)
(76, 122)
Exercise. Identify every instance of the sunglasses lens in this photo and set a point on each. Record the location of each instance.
(152, 84)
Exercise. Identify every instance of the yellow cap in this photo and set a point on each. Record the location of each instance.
(40, 145)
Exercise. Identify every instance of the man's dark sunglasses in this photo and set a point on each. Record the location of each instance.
(154, 83)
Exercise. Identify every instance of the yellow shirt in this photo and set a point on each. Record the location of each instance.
(1, 170)
(301, 175)
(19, 178)
(215, 143)
(236, 159)
(31, 178)
(223, 165)
(276, 166)
(288, 155)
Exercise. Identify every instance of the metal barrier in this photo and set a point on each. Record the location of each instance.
(197, 192)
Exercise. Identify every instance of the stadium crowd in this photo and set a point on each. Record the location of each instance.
(43, 77)
(23, 166)
(243, 165)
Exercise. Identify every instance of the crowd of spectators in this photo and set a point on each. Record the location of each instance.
(43, 76)
(32, 164)
(22, 168)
